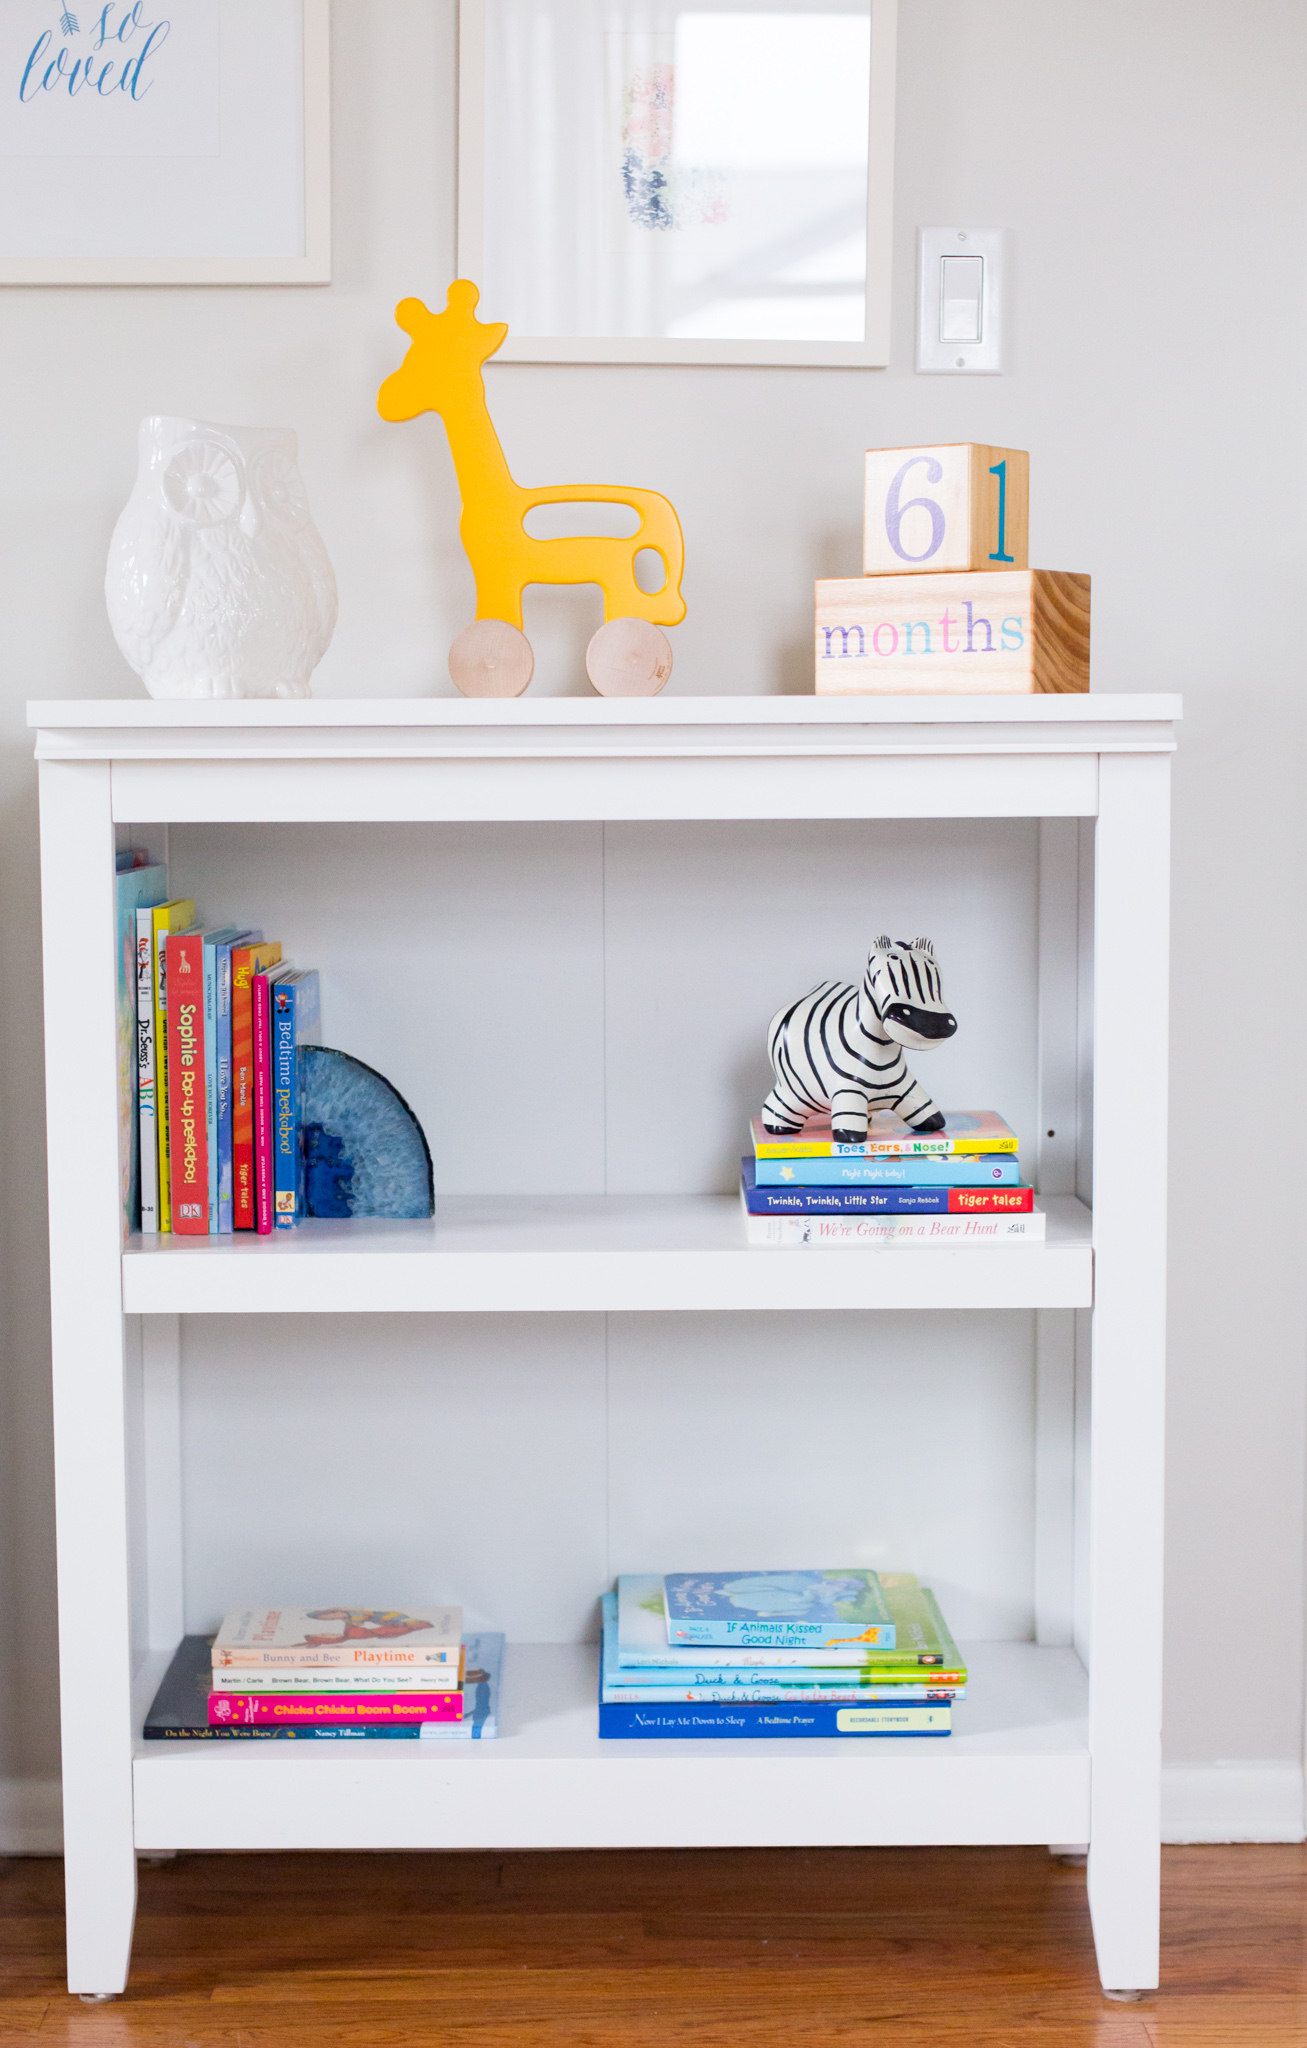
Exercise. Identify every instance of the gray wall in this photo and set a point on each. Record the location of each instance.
(1149, 165)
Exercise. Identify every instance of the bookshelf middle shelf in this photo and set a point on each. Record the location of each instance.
(497, 1253)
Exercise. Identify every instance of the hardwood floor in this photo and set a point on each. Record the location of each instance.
(701, 1949)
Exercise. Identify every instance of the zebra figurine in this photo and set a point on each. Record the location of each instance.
(841, 1047)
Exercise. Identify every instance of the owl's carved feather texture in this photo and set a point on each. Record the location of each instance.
(218, 583)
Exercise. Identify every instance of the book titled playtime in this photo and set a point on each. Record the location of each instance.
(383, 1637)
(746, 1610)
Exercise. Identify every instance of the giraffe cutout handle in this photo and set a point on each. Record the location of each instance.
(629, 655)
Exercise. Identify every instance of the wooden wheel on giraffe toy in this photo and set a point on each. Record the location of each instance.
(628, 658)
(490, 658)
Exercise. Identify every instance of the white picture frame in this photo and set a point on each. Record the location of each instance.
(872, 351)
(297, 182)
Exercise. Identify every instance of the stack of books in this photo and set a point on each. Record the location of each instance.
(958, 1186)
(332, 1672)
(845, 1652)
(219, 1015)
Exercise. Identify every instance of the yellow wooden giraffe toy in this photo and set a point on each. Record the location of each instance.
(629, 656)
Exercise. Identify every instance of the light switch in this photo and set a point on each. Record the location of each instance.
(960, 299)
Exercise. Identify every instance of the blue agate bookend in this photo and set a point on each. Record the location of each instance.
(365, 1153)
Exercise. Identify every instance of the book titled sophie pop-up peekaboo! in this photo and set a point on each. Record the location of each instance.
(741, 1609)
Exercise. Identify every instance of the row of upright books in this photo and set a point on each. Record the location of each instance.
(220, 1015)
(842, 1652)
(332, 1673)
(961, 1185)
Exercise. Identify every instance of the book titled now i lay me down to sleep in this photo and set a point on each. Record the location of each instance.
(745, 1609)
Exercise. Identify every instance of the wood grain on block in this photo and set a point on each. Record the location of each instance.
(629, 658)
(490, 658)
(957, 507)
(1010, 632)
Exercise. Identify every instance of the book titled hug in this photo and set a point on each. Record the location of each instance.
(744, 1610)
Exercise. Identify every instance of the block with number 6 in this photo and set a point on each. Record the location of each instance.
(959, 507)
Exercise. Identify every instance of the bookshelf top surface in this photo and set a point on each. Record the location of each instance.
(135, 714)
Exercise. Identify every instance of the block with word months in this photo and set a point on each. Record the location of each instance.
(1010, 631)
(960, 507)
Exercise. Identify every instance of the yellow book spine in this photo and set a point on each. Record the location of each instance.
(805, 1148)
(169, 917)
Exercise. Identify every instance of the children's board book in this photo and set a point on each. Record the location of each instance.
(689, 1720)
(963, 1170)
(246, 962)
(296, 1021)
(180, 1712)
(738, 1610)
(791, 1201)
(651, 1686)
(187, 1063)
(308, 1636)
(220, 1163)
(833, 1233)
(965, 1130)
(176, 916)
(216, 943)
(147, 1136)
(923, 1643)
(350, 1678)
(332, 1709)
(261, 986)
(134, 888)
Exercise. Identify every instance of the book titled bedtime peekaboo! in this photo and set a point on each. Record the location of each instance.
(744, 1610)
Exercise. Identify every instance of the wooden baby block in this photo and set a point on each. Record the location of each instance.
(958, 507)
(1007, 632)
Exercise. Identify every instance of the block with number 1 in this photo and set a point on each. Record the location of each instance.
(959, 507)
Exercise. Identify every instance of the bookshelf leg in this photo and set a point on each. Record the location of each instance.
(1128, 1366)
(89, 1370)
(161, 1378)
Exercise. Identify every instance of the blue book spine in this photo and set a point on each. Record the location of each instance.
(877, 1201)
(986, 1170)
(695, 1721)
(295, 1022)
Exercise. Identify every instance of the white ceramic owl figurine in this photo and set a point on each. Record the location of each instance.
(218, 584)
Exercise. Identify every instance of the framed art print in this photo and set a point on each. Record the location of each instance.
(165, 142)
(683, 181)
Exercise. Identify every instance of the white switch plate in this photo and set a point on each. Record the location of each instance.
(934, 353)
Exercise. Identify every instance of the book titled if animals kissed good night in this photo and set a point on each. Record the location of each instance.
(743, 1609)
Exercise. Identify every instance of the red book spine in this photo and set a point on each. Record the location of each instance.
(263, 1169)
(990, 1201)
(309, 1709)
(187, 1134)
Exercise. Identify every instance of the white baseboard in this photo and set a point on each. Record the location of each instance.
(1228, 1802)
(1232, 1802)
(31, 1817)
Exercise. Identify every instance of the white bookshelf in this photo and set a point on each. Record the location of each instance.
(1058, 1740)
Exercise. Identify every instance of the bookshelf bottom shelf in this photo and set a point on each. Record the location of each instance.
(1016, 1769)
